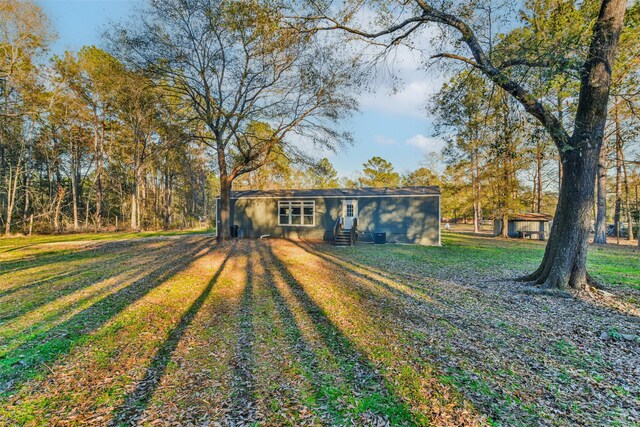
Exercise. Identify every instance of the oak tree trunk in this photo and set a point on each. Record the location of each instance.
(565, 258)
(564, 261)
(225, 208)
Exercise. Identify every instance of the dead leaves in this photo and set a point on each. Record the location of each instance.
(295, 335)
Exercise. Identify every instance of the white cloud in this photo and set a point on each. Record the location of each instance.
(410, 100)
(402, 84)
(383, 140)
(426, 144)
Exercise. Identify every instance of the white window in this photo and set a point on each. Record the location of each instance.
(297, 213)
(350, 210)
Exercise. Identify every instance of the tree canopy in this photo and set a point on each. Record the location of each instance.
(250, 81)
(378, 172)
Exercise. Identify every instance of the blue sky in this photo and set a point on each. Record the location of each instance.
(390, 124)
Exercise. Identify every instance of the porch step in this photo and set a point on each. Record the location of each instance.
(343, 238)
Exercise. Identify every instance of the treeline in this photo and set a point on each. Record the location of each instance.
(86, 143)
(184, 109)
(375, 172)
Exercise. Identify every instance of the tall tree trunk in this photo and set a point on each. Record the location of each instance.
(564, 262)
(74, 201)
(476, 191)
(134, 207)
(618, 204)
(56, 213)
(505, 226)
(534, 192)
(600, 235)
(98, 136)
(225, 208)
(226, 181)
(12, 191)
(74, 186)
(134, 203)
(565, 258)
(26, 183)
(168, 201)
(539, 158)
(627, 205)
(560, 110)
(86, 215)
(205, 199)
(142, 202)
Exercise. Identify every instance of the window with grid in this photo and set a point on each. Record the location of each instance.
(350, 211)
(296, 213)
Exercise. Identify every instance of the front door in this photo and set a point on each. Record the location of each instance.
(350, 212)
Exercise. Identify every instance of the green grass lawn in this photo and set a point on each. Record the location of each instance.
(9, 244)
(498, 258)
(131, 328)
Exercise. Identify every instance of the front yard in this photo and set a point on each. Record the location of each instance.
(128, 330)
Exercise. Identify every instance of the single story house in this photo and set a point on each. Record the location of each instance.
(523, 225)
(405, 214)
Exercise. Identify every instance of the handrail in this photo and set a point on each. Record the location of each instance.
(337, 226)
(353, 233)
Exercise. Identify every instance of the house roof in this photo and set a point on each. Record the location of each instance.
(531, 217)
(339, 192)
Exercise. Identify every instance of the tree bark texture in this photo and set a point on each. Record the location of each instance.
(225, 208)
(627, 205)
(12, 189)
(600, 235)
(539, 159)
(565, 258)
(477, 213)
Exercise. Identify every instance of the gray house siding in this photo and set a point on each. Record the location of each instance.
(405, 219)
(259, 216)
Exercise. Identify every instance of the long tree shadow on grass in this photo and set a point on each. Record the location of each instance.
(137, 400)
(371, 267)
(358, 380)
(104, 269)
(37, 283)
(56, 255)
(25, 361)
(477, 375)
(351, 268)
(244, 409)
(33, 298)
(422, 286)
(427, 288)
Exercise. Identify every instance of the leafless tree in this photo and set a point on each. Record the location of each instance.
(249, 81)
